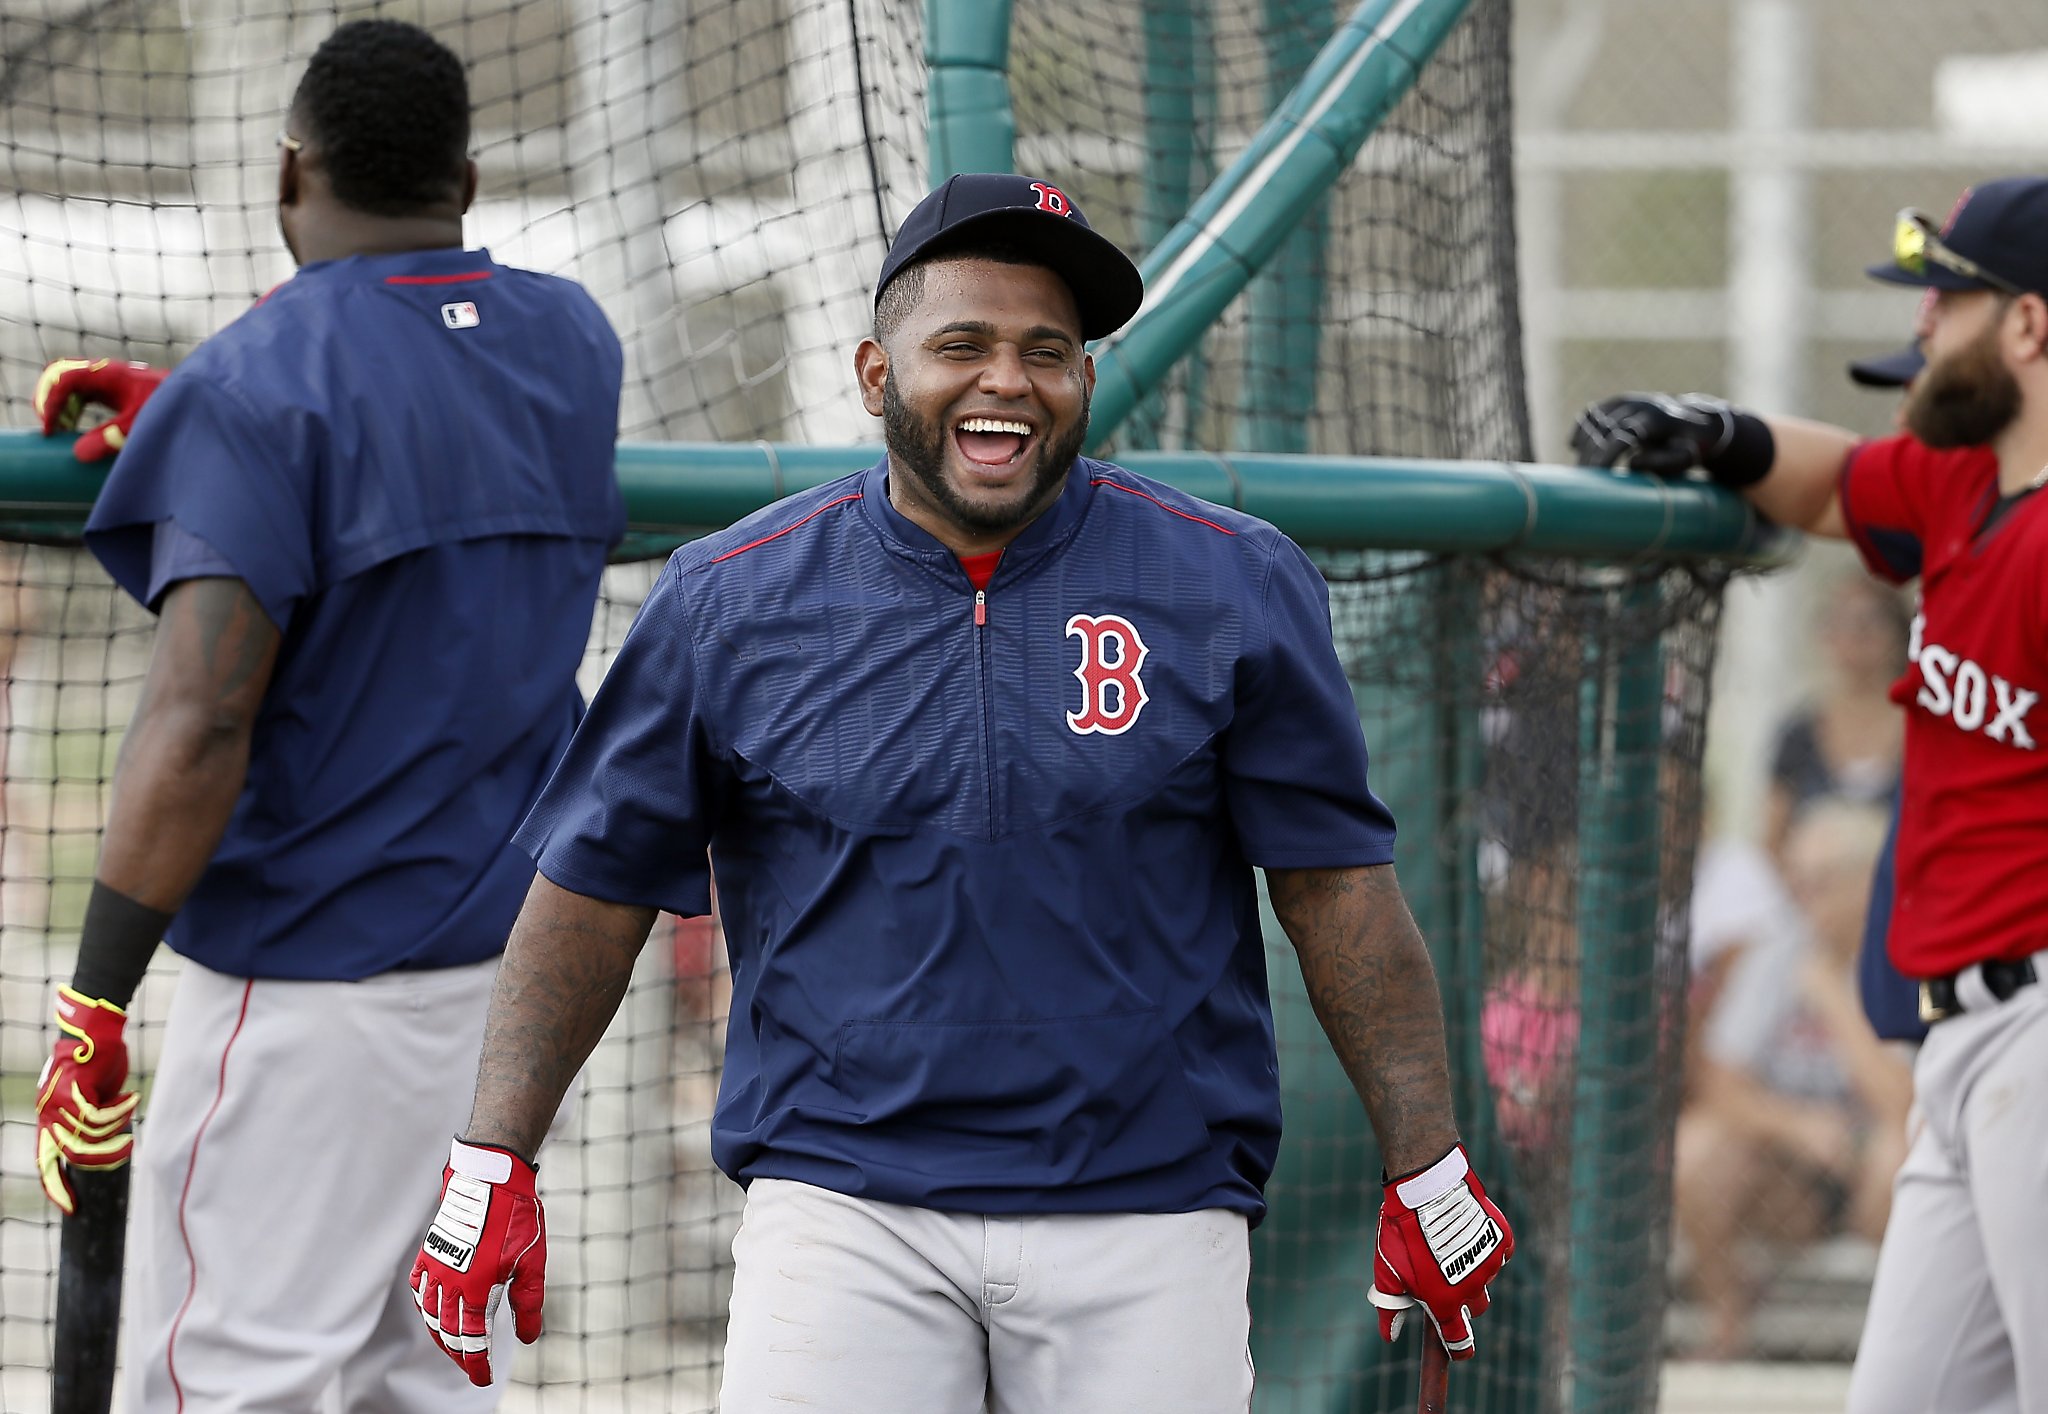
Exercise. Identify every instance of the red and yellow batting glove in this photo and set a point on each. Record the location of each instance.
(69, 384)
(487, 1243)
(82, 1113)
(1441, 1240)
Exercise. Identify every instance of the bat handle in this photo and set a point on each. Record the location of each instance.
(89, 1293)
(1436, 1374)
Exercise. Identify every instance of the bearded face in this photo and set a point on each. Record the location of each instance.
(919, 445)
(1967, 396)
(983, 393)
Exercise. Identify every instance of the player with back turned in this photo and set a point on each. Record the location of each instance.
(1960, 1304)
(984, 744)
(371, 515)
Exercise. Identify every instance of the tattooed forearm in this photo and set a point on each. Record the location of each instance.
(563, 976)
(186, 754)
(1374, 991)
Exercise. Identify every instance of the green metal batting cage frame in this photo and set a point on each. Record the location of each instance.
(1529, 646)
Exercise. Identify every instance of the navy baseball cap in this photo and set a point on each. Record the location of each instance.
(1036, 216)
(1892, 370)
(1996, 238)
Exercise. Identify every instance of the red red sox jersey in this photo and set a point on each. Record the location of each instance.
(1973, 831)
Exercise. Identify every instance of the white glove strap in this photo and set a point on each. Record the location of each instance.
(1436, 1180)
(490, 1165)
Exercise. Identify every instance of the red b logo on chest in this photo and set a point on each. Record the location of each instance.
(1112, 693)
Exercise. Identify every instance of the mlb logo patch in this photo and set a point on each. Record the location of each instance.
(459, 316)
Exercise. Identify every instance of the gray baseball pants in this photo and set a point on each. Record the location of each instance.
(845, 1306)
(287, 1165)
(1958, 1320)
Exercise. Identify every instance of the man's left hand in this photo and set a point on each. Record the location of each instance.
(1661, 433)
(67, 385)
(83, 1110)
(1441, 1240)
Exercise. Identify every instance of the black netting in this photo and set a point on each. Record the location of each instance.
(1537, 728)
(720, 175)
(1388, 323)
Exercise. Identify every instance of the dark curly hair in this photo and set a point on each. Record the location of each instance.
(387, 105)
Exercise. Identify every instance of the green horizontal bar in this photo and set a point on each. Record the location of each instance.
(675, 491)
(702, 486)
(40, 480)
(1471, 507)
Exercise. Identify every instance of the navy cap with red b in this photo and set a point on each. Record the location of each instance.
(1035, 216)
(1996, 238)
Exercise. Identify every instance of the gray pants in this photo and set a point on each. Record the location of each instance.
(1958, 1319)
(844, 1306)
(288, 1163)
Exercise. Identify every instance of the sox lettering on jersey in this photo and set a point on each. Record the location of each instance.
(1959, 689)
(1112, 693)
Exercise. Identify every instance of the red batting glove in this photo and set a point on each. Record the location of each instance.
(70, 383)
(488, 1239)
(1441, 1240)
(82, 1113)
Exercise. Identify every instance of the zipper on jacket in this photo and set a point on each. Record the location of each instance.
(988, 741)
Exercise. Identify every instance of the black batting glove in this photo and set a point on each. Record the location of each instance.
(1668, 435)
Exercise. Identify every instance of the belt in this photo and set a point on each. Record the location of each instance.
(1978, 986)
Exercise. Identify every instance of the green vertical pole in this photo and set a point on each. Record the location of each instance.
(971, 127)
(1286, 317)
(1180, 100)
(1613, 1220)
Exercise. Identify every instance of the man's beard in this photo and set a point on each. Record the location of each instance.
(918, 446)
(1966, 399)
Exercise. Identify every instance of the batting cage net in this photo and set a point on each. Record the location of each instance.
(723, 177)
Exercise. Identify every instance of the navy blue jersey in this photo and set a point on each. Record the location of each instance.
(409, 460)
(1890, 998)
(984, 860)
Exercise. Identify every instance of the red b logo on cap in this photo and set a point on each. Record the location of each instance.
(1051, 198)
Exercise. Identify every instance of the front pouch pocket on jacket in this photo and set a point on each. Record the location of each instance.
(1074, 1100)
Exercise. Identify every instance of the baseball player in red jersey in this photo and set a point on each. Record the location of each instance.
(1959, 1314)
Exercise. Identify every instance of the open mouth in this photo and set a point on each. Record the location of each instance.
(993, 445)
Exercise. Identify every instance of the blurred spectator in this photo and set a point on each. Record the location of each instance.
(1797, 1123)
(1849, 743)
(1739, 906)
(1529, 1025)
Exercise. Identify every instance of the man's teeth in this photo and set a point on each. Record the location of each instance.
(995, 424)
